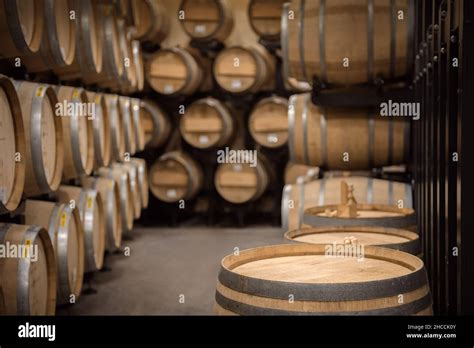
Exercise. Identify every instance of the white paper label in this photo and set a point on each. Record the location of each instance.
(203, 139)
(237, 167)
(200, 28)
(236, 84)
(171, 193)
(169, 89)
(272, 138)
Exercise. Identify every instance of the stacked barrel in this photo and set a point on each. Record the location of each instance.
(66, 167)
(354, 226)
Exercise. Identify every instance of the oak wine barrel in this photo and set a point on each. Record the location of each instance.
(58, 45)
(12, 145)
(241, 183)
(360, 280)
(135, 189)
(265, 18)
(268, 122)
(336, 138)
(156, 123)
(367, 215)
(102, 130)
(128, 81)
(89, 56)
(151, 21)
(240, 69)
(293, 171)
(392, 238)
(135, 106)
(347, 42)
(29, 288)
(311, 192)
(207, 123)
(139, 65)
(128, 124)
(114, 112)
(175, 176)
(78, 132)
(110, 194)
(122, 181)
(113, 60)
(173, 71)
(21, 27)
(205, 20)
(142, 172)
(91, 210)
(44, 153)
(64, 226)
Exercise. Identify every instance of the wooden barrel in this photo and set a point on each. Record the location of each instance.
(156, 123)
(139, 65)
(207, 123)
(12, 143)
(367, 215)
(135, 106)
(44, 153)
(392, 238)
(205, 20)
(174, 177)
(29, 288)
(58, 45)
(372, 40)
(309, 192)
(128, 79)
(283, 280)
(142, 175)
(241, 69)
(122, 180)
(91, 211)
(268, 122)
(293, 171)
(88, 61)
(336, 138)
(21, 27)
(64, 226)
(117, 131)
(128, 125)
(113, 60)
(241, 183)
(78, 131)
(265, 18)
(110, 194)
(136, 199)
(150, 20)
(102, 130)
(173, 71)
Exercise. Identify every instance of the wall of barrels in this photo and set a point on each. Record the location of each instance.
(159, 111)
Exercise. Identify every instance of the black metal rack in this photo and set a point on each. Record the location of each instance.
(442, 146)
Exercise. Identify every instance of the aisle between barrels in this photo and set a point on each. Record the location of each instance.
(165, 263)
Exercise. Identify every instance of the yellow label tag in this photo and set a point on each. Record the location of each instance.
(89, 203)
(75, 93)
(26, 251)
(62, 221)
(97, 99)
(39, 92)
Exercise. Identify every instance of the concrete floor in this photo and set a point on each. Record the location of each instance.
(165, 263)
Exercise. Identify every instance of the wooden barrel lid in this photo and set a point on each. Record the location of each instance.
(268, 122)
(392, 238)
(206, 123)
(170, 178)
(203, 19)
(117, 129)
(102, 130)
(238, 183)
(236, 69)
(65, 32)
(367, 215)
(12, 141)
(265, 17)
(168, 72)
(322, 281)
(30, 17)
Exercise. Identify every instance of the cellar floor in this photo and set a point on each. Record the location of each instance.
(164, 264)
